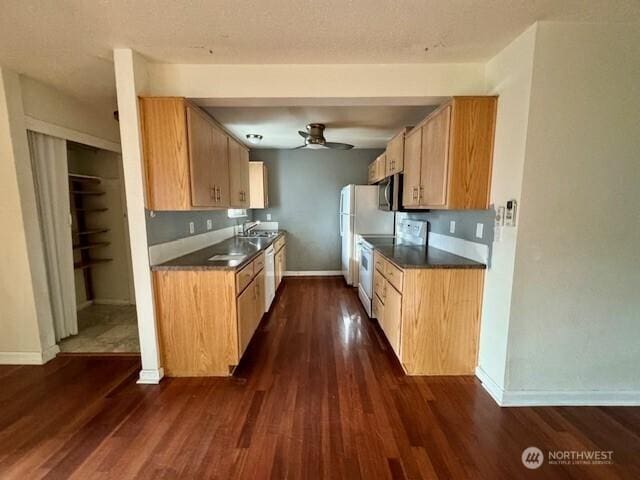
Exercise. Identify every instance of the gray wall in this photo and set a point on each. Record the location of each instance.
(304, 188)
(167, 226)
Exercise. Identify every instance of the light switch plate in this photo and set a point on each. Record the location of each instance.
(209, 225)
(268, 217)
(479, 230)
(452, 226)
(192, 227)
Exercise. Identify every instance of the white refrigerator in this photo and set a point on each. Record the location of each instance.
(359, 215)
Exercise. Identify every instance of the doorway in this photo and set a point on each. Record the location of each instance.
(104, 293)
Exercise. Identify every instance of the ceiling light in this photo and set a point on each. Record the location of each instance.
(254, 138)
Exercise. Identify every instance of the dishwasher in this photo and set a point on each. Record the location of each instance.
(269, 277)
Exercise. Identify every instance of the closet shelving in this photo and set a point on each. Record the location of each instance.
(84, 190)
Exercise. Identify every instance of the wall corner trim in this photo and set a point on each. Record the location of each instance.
(150, 377)
(490, 386)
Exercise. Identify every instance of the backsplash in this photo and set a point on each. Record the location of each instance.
(466, 223)
(167, 226)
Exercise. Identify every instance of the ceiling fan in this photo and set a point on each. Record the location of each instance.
(314, 139)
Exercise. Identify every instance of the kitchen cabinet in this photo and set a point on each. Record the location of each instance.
(246, 315)
(186, 158)
(258, 185)
(430, 316)
(448, 156)
(377, 169)
(206, 318)
(238, 174)
(395, 154)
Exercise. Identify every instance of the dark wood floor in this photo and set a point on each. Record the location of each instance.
(318, 396)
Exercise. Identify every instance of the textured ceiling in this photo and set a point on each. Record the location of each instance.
(363, 127)
(69, 43)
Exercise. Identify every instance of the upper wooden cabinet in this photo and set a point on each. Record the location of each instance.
(187, 157)
(448, 156)
(238, 174)
(377, 169)
(258, 186)
(395, 154)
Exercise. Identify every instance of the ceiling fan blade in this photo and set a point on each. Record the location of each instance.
(303, 134)
(338, 146)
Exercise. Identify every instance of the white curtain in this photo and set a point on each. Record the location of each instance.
(51, 179)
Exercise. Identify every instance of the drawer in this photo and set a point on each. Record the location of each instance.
(243, 278)
(279, 243)
(379, 261)
(379, 285)
(258, 263)
(394, 275)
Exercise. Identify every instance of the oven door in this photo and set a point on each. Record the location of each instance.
(366, 270)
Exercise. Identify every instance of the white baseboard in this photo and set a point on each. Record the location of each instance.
(83, 305)
(150, 377)
(29, 358)
(50, 353)
(548, 398)
(490, 385)
(313, 273)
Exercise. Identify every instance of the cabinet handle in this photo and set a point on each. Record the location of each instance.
(415, 193)
(219, 195)
(212, 194)
(421, 192)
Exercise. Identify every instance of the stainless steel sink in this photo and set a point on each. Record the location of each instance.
(259, 234)
(238, 257)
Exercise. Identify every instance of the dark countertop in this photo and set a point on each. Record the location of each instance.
(413, 256)
(199, 260)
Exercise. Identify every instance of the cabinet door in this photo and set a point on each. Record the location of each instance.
(381, 167)
(235, 174)
(201, 151)
(259, 304)
(246, 316)
(220, 165)
(378, 309)
(412, 162)
(392, 317)
(435, 160)
(371, 173)
(258, 188)
(244, 177)
(395, 155)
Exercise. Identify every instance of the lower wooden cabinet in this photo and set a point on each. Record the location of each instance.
(432, 321)
(206, 318)
(280, 261)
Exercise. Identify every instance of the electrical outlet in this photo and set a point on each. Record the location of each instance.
(192, 227)
(452, 226)
(209, 225)
(479, 230)
(268, 217)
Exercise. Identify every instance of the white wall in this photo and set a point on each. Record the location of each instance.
(508, 75)
(316, 81)
(49, 105)
(25, 317)
(575, 313)
(131, 81)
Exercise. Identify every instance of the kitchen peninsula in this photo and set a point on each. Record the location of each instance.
(210, 302)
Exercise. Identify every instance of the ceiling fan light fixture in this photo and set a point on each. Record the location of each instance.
(254, 138)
